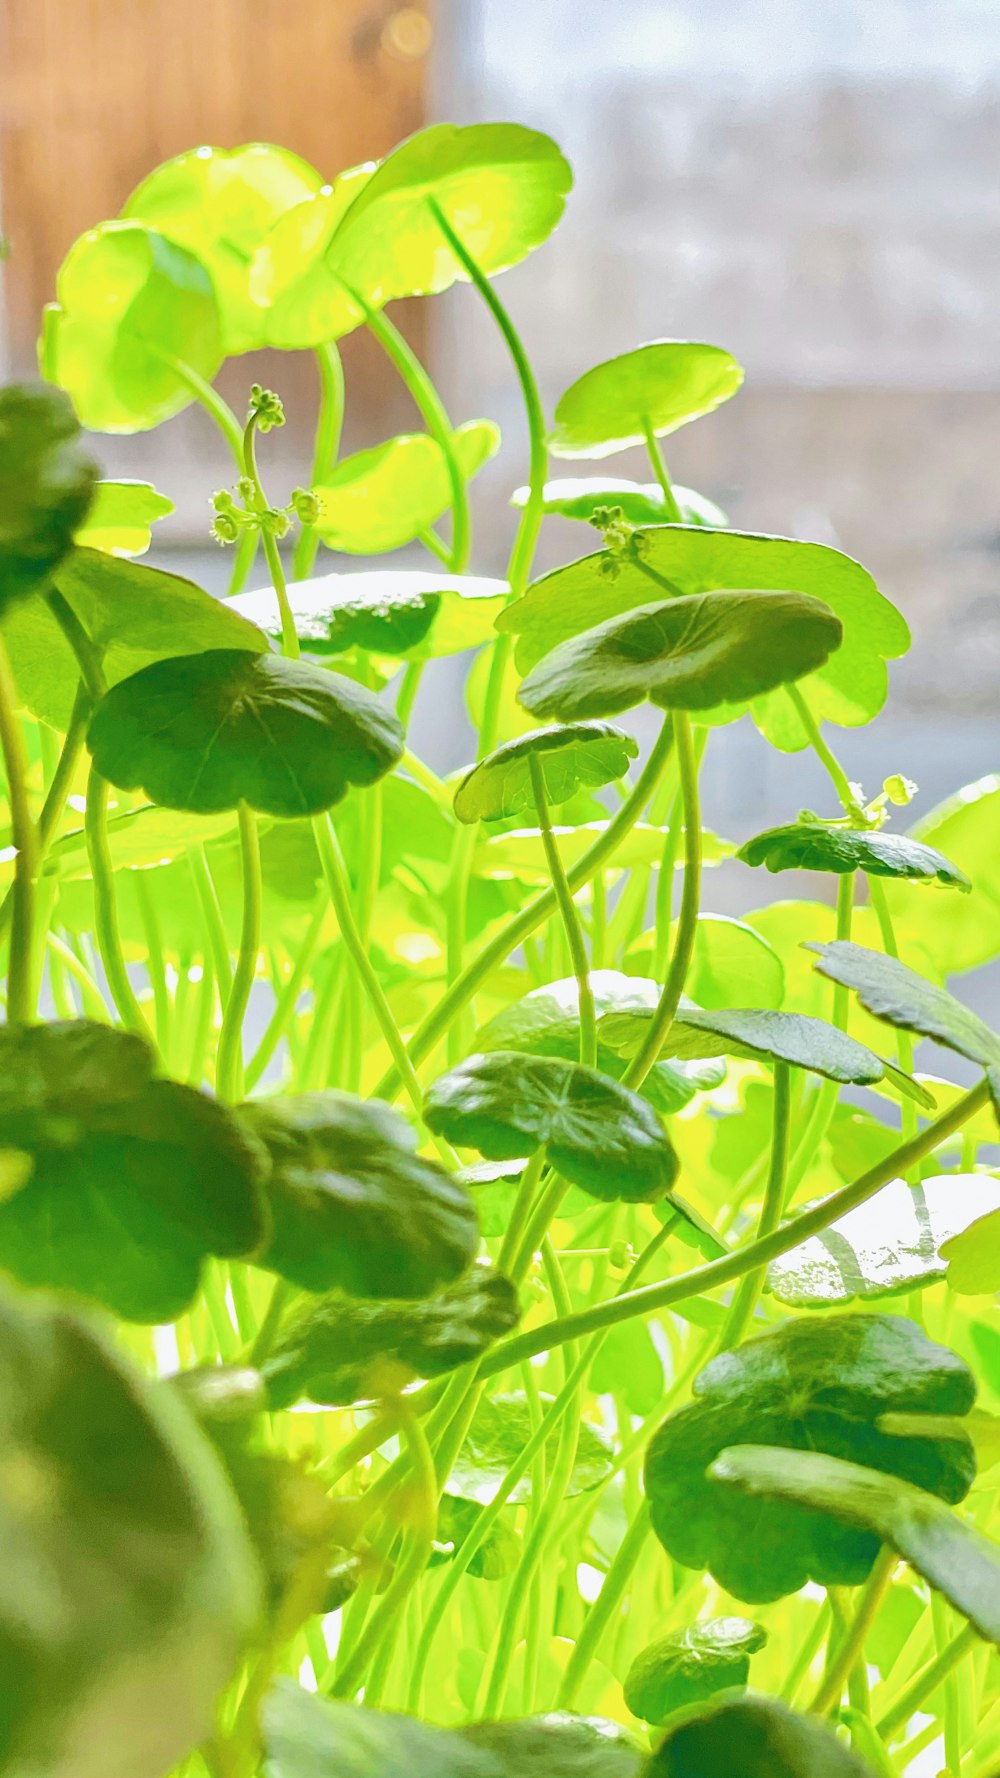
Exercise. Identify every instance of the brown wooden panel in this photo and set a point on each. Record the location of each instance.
(93, 93)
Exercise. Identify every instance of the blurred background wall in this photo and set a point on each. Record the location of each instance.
(813, 185)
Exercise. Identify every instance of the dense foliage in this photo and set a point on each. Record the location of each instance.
(626, 1402)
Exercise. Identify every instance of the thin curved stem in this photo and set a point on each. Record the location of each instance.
(569, 916)
(435, 417)
(215, 405)
(229, 1063)
(289, 635)
(107, 930)
(851, 1645)
(286, 1000)
(325, 448)
(927, 1681)
(22, 989)
(687, 925)
(433, 1027)
(673, 511)
(607, 1602)
(211, 907)
(59, 788)
(731, 1266)
(746, 1298)
(832, 765)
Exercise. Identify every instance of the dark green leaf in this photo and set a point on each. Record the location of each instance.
(952, 1555)
(121, 517)
(133, 614)
(691, 1664)
(850, 688)
(209, 731)
(379, 499)
(501, 187)
(498, 1552)
(337, 1351)
(688, 653)
(134, 1180)
(353, 1206)
(641, 503)
(500, 1429)
(813, 1383)
(807, 845)
(399, 611)
(598, 1134)
(46, 483)
(656, 388)
(767, 1739)
(130, 304)
(220, 203)
(584, 755)
(889, 990)
(308, 1736)
(128, 1589)
(891, 1243)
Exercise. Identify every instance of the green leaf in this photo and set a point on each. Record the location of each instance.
(850, 688)
(773, 1742)
(656, 388)
(773, 1036)
(598, 1134)
(336, 1351)
(121, 517)
(500, 1429)
(501, 187)
(889, 990)
(208, 731)
(220, 203)
(353, 1206)
(128, 1589)
(46, 486)
(416, 613)
(899, 1240)
(379, 499)
(584, 755)
(520, 853)
(546, 1022)
(139, 839)
(689, 653)
(957, 938)
(129, 304)
(972, 1254)
(641, 503)
(134, 1180)
(690, 1664)
(808, 845)
(498, 1552)
(951, 1555)
(733, 966)
(629, 1367)
(305, 303)
(812, 1383)
(133, 614)
(307, 1736)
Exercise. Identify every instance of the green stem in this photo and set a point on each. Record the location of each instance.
(904, 1042)
(673, 511)
(108, 934)
(605, 1605)
(731, 1266)
(94, 1004)
(215, 930)
(22, 989)
(433, 1027)
(60, 785)
(746, 1298)
(229, 1063)
(425, 777)
(289, 635)
(927, 1681)
(244, 557)
(325, 449)
(435, 418)
(533, 510)
(835, 770)
(851, 1645)
(214, 405)
(687, 925)
(286, 1001)
(569, 916)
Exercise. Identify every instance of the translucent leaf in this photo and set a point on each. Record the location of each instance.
(121, 517)
(584, 755)
(966, 827)
(641, 503)
(658, 387)
(379, 499)
(415, 613)
(500, 1429)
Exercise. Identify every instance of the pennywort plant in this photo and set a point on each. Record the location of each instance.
(466, 1308)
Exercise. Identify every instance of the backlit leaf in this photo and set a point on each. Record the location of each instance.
(379, 499)
(500, 1429)
(972, 1254)
(658, 387)
(305, 303)
(960, 937)
(584, 755)
(129, 304)
(121, 516)
(417, 613)
(641, 503)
